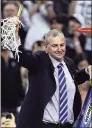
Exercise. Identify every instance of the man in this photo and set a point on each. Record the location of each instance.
(59, 22)
(75, 40)
(81, 63)
(53, 99)
(11, 85)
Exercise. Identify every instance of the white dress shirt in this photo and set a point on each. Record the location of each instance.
(51, 112)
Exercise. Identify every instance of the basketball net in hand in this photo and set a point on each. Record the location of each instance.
(8, 33)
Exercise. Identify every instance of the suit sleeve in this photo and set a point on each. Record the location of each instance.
(81, 77)
(29, 60)
(78, 76)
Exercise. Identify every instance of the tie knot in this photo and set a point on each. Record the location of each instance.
(60, 65)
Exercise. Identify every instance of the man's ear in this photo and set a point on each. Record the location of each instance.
(46, 49)
(45, 44)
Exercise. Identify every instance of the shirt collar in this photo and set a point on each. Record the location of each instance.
(55, 62)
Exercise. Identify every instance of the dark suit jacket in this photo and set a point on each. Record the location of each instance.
(42, 87)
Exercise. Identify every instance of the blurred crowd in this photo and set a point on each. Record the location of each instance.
(38, 18)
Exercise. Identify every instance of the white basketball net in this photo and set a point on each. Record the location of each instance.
(8, 35)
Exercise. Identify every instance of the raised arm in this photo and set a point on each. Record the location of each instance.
(26, 58)
(29, 60)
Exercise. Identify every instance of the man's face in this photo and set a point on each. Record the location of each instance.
(83, 64)
(10, 10)
(57, 26)
(73, 26)
(56, 47)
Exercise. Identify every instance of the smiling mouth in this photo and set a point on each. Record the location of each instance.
(59, 54)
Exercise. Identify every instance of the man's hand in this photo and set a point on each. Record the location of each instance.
(17, 31)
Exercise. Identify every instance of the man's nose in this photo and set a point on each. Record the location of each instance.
(59, 48)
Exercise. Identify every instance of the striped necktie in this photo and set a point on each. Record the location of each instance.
(63, 106)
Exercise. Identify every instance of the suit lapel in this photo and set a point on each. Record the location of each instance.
(51, 71)
(68, 64)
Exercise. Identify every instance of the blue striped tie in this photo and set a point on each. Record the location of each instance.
(63, 106)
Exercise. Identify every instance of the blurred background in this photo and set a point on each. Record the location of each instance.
(38, 18)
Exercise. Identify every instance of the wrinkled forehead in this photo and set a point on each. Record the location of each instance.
(57, 40)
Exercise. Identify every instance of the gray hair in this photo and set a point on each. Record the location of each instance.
(53, 33)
